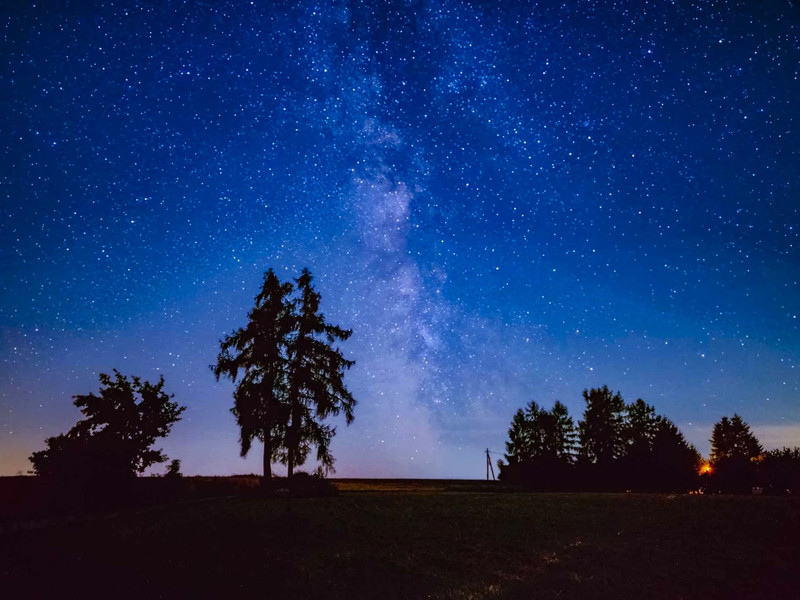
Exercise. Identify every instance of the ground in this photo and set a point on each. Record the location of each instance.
(417, 539)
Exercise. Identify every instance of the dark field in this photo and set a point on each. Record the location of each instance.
(418, 539)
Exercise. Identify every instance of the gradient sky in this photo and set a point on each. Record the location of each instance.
(504, 203)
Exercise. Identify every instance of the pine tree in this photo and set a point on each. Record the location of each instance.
(735, 455)
(292, 378)
(258, 352)
(601, 432)
(640, 428)
(565, 434)
(674, 461)
(720, 440)
(316, 380)
(518, 446)
(732, 439)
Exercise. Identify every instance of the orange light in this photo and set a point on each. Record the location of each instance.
(705, 467)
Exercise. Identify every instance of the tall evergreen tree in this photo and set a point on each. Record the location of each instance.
(733, 439)
(316, 380)
(735, 455)
(641, 424)
(537, 433)
(259, 353)
(565, 434)
(601, 432)
(720, 440)
(674, 461)
(518, 446)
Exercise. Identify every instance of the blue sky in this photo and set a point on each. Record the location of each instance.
(504, 204)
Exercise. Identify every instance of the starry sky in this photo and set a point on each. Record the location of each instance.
(506, 201)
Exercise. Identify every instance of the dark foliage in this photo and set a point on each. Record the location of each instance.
(781, 471)
(96, 459)
(316, 388)
(624, 447)
(289, 376)
(541, 474)
(540, 449)
(538, 433)
(601, 431)
(736, 457)
(255, 358)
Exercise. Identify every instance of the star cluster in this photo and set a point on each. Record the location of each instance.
(505, 203)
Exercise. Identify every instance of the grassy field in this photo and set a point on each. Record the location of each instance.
(418, 539)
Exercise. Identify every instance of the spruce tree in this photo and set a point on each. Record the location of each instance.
(290, 376)
(518, 446)
(256, 357)
(601, 431)
(565, 434)
(316, 380)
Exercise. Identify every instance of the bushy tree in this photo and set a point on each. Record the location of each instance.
(113, 443)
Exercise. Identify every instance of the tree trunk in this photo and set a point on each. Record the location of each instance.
(265, 480)
(292, 436)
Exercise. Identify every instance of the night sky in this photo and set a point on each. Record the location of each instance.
(504, 203)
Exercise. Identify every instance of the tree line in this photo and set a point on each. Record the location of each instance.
(289, 379)
(628, 446)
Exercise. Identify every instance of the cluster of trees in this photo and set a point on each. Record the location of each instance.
(739, 463)
(619, 446)
(615, 446)
(289, 378)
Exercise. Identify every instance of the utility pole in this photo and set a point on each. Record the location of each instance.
(489, 466)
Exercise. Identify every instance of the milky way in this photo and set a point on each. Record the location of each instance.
(504, 204)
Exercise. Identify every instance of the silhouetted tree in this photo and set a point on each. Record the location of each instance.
(257, 356)
(602, 430)
(540, 447)
(640, 428)
(113, 443)
(566, 436)
(735, 455)
(733, 439)
(174, 470)
(538, 433)
(782, 471)
(518, 446)
(316, 388)
(674, 461)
